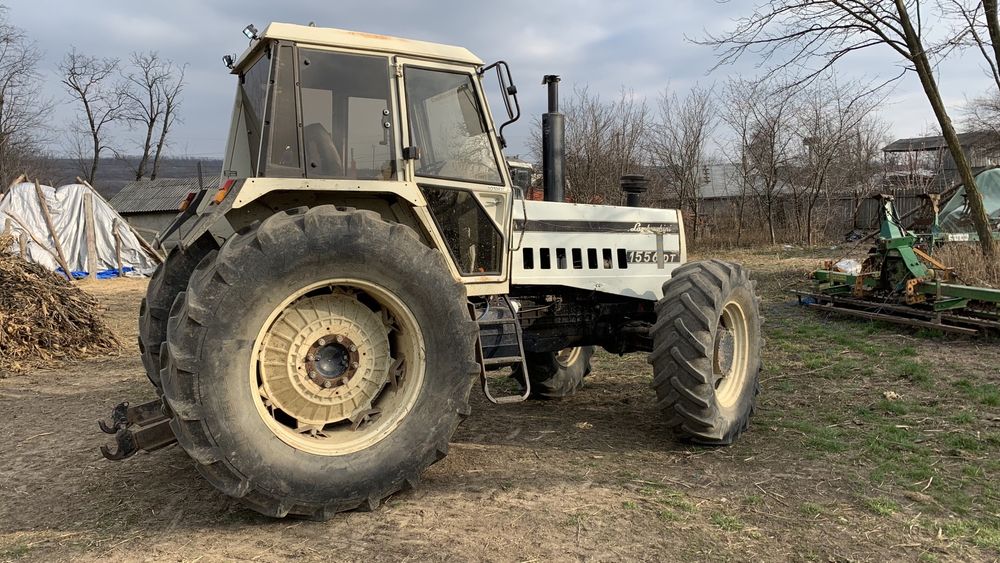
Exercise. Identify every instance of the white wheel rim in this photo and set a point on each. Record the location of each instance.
(730, 362)
(568, 356)
(337, 366)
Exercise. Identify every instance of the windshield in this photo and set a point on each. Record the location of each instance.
(446, 124)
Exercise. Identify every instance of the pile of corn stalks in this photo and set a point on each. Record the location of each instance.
(44, 318)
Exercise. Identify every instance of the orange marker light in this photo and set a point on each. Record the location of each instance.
(186, 202)
(223, 191)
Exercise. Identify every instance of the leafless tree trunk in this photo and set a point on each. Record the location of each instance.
(23, 110)
(796, 33)
(91, 81)
(677, 146)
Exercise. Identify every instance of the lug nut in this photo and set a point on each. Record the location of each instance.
(322, 341)
(340, 338)
(354, 364)
(354, 348)
(327, 385)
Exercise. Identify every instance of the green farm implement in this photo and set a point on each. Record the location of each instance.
(900, 283)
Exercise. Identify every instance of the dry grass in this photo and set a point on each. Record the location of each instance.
(971, 265)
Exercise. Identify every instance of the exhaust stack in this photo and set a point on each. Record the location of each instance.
(553, 144)
(634, 185)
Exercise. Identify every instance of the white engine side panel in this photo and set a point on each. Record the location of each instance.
(596, 247)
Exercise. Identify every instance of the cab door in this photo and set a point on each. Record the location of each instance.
(453, 156)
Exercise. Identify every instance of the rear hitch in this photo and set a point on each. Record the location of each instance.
(137, 428)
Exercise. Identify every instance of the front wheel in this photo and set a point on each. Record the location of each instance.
(319, 362)
(706, 352)
(555, 375)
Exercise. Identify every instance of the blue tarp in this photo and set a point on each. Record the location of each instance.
(103, 275)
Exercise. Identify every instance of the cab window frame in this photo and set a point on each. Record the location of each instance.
(484, 122)
(257, 154)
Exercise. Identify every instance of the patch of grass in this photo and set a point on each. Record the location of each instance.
(811, 509)
(881, 506)
(678, 502)
(820, 438)
(15, 551)
(667, 515)
(897, 407)
(964, 442)
(753, 500)
(987, 393)
(912, 370)
(982, 534)
(727, 523)
(964, 417)
(973, 471)
(629, 505)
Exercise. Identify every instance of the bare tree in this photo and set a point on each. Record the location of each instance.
(761, 118)
(796, 33)
(833, 123)
(23, 111)
(603, 141)
(977, 28)
(103, 101)
(171, 91)
(677, 146)
(144, 93)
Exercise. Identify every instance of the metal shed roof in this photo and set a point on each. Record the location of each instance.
(153, 196)
(937, 142)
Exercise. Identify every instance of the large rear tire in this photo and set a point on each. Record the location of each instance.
(319, 362)
(169, 279)
(555, 375)
(706, 352)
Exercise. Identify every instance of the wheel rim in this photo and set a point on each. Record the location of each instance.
(337, 366)
(568, 356)
(731, 355)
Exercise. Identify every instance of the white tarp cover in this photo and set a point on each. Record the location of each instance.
(67, 210)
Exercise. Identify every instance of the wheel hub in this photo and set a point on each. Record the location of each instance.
(731, 355)
(725, 346)
(332, 362)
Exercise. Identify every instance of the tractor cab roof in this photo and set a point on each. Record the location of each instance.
(332, 37)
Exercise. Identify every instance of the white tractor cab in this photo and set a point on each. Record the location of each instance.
(316, 333)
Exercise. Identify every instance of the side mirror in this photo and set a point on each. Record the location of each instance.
(509, 92)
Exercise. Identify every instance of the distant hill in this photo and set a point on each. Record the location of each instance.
(114, 173)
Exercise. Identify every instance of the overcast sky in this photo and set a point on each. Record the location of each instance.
(600, 43)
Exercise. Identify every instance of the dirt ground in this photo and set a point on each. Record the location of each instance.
(872, 443)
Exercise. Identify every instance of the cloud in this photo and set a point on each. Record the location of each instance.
(641, 45)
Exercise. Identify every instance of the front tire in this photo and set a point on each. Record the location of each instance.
(319, 362)
(556, 375)
(706, 352)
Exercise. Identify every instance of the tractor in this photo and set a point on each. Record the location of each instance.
(314, 338)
